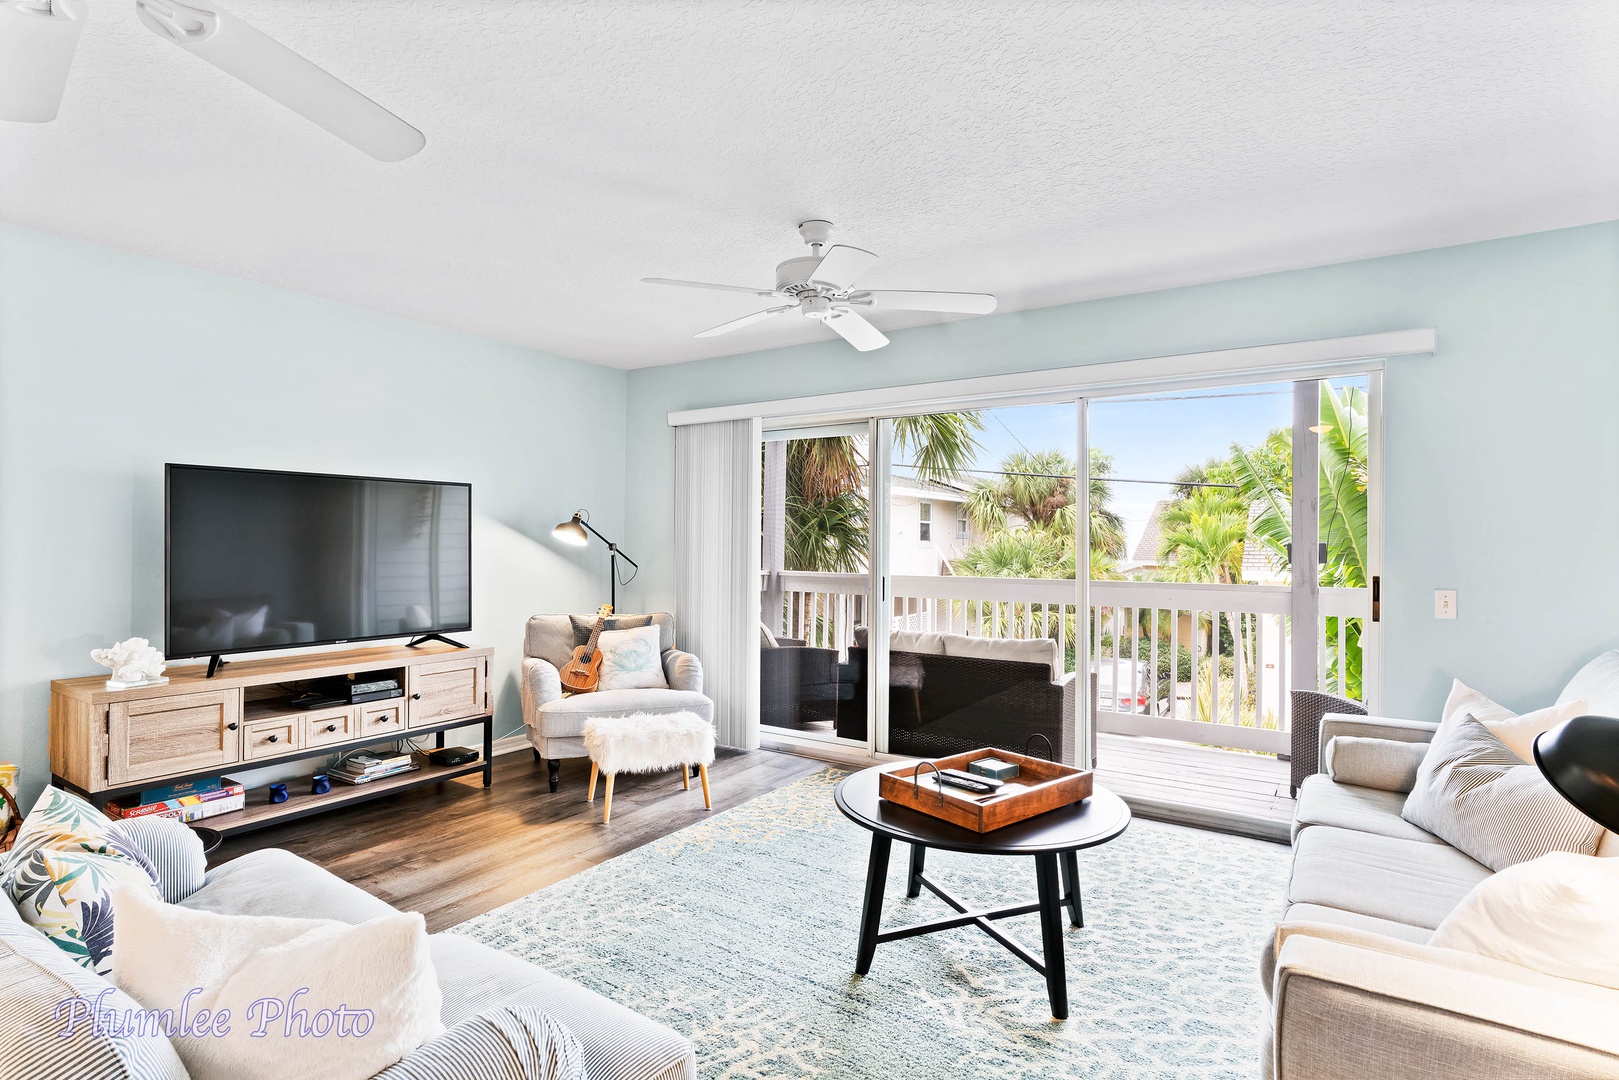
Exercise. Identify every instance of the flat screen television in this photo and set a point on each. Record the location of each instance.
(257, 559)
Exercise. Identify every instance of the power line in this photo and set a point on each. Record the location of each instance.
(1069, 476)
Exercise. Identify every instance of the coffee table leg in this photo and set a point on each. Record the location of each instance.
(871, 911)
(1070, 884)
(1048, 877)
(919, 855)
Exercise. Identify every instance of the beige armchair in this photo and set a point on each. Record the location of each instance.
(556, 723)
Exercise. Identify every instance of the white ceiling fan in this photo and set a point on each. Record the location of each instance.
(820, 286)
(38, 38)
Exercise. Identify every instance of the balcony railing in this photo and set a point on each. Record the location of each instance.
(1225, 696)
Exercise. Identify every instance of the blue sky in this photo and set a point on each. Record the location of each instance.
(1149, 438)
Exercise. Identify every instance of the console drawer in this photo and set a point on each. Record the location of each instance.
(449, 690)
(331, 726)
(271, 738)
(380, 718)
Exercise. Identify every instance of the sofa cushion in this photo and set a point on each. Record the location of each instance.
(551, 637)
(630, 660)
(1403, 881)
(1554, 914)
(1517, 731)
(1022, 650)
(175, 851)
(617, 1042)
(565, 718)
(1597, 683)
(1388, 765)
(1323, 801)
(1315, 913)
(67, 857)
(36, 1041)
(282, 981)
(499, 1044)
(474, 978)
(1478, 795)
(271, 881)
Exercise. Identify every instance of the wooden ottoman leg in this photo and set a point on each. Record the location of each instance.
(592, 796)
(607, 803)
(685, 777)
(708, 799)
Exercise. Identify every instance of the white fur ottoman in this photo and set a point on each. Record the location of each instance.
(648, 742)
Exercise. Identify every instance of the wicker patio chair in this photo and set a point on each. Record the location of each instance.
(1308, 709)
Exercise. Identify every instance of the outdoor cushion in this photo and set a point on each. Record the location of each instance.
(1387, 878)
(1323, 801)
(1023, 651)
(565, 717)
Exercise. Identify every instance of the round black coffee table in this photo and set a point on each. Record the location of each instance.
(1052, 838)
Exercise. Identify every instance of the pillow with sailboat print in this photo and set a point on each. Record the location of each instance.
(59, 874)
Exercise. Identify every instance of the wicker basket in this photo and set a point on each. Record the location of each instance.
(13, 823)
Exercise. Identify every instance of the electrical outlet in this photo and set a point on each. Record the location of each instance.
(1444, 603)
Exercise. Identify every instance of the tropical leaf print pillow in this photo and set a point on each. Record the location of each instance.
(631, 660)
(66, 859)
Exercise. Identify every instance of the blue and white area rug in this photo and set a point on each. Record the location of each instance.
(740, 932)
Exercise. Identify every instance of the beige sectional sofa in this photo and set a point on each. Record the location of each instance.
(1356, 992)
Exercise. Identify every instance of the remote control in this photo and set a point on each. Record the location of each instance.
(978, 785)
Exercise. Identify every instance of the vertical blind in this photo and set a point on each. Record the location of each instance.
(717, 495)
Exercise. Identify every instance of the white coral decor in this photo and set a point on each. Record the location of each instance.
(133, 661)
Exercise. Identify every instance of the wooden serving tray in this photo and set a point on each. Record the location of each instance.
(1040, 786)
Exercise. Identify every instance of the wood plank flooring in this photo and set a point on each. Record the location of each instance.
(455, 850)
(1198, 785)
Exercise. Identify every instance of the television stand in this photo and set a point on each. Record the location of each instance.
(425, 638)
(215, 662)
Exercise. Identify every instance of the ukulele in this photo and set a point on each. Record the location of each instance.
(581, 674)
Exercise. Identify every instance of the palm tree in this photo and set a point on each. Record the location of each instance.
(828, 515)
(1039, 490)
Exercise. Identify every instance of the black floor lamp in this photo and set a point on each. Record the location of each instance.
(1580, 758)
(573, 531)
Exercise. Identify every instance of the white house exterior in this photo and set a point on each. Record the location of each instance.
(929, 527)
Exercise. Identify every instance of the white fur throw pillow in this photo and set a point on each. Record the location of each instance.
(631, 660)
(1518, 732)
(1554, 914)
(310, 999)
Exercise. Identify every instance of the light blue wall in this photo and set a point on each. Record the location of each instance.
(1502, 449)
(112, 364)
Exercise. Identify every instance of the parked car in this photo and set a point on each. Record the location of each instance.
(1134, 694)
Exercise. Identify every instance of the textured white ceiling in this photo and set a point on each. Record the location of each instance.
(1046, 152)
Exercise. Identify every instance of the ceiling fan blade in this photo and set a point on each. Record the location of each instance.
(841, 265)
(36, 51)
(964, 303)
(709, 285)
(856, 331)
(274, 70)
(746, 320)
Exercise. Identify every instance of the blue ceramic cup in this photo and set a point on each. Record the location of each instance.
(278, 793)
(320, 784)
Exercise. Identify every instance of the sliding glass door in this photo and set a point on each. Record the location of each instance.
(815, 587)
(1041, 577)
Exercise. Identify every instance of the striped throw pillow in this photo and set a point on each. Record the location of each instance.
(1478, 796)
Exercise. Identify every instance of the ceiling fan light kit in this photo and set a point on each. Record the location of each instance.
(820, 286)
(38, 39)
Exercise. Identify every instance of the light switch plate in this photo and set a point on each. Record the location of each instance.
(1444, 603)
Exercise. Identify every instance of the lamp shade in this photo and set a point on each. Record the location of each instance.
(1580, 758)
(571, 532)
